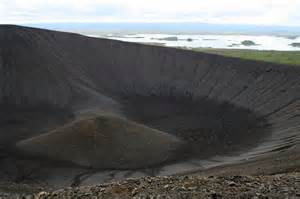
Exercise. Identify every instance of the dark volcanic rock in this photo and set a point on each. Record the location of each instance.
(274, 186)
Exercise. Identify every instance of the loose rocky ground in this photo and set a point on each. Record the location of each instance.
(264, 186)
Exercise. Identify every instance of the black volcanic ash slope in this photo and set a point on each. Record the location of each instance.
(199, 105)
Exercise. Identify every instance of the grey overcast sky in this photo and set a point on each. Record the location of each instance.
(261, 12)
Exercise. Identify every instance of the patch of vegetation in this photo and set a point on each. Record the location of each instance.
(169, 39)
(154, 43)
(295, 45)
(233, 45)
(209, 39)
(280, 57)
(248, 43)
(292, 37)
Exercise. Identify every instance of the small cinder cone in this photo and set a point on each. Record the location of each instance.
(104, 142)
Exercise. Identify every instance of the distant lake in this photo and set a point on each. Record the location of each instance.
(259, 42)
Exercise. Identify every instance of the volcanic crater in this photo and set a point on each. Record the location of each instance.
(109, 110)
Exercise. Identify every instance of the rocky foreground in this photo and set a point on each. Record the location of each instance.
(263, 186)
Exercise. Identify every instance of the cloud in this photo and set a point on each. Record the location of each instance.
(269, 12)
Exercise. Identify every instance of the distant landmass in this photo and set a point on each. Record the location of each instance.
(170, 27)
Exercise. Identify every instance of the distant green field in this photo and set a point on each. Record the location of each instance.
(281, 57)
